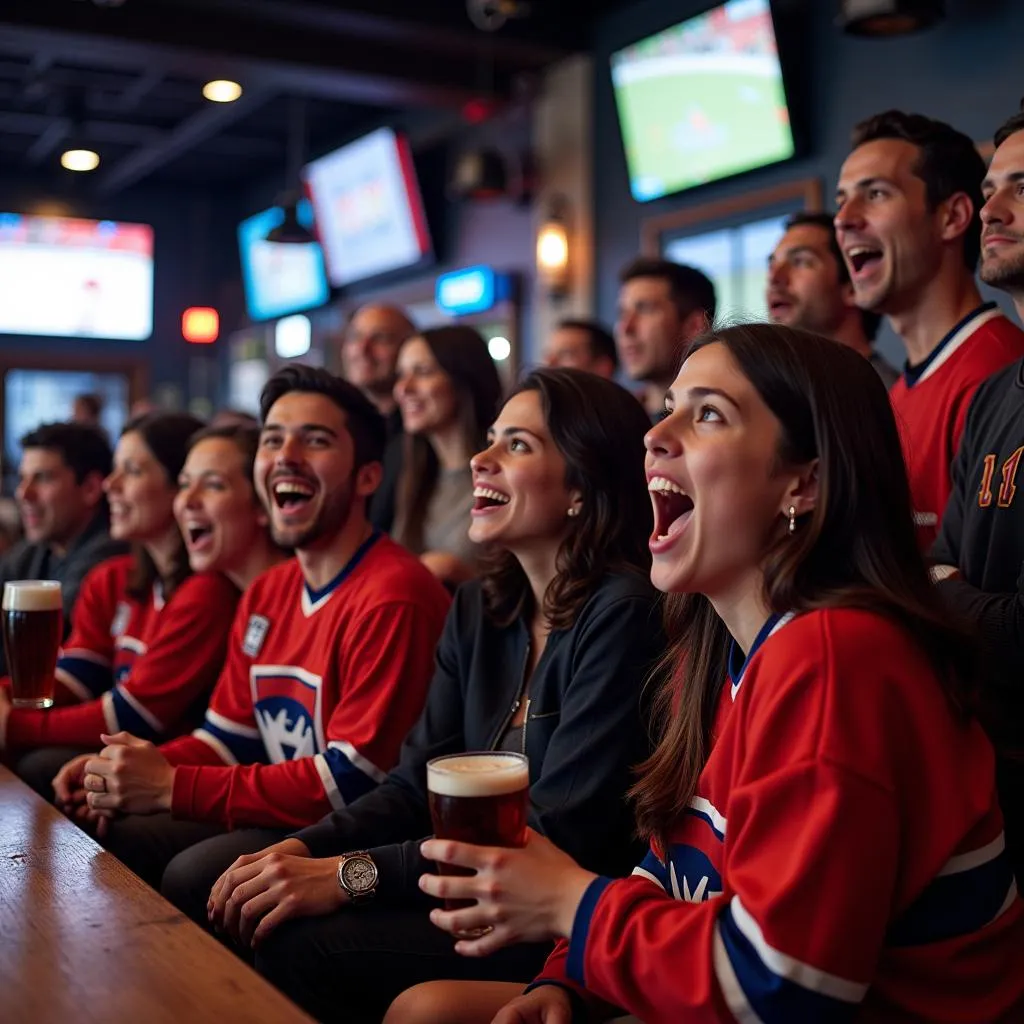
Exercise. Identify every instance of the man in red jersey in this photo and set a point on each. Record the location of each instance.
(328, 663)
(907, 220)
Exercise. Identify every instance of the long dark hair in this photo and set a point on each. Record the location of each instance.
(462, 353)
(599, 428)
(857, 549)
(167, 436)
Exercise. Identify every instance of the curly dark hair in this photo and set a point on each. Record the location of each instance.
(599, 428)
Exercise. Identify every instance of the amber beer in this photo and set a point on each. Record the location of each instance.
(33, 620)
(478, 798)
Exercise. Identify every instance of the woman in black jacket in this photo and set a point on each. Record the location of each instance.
(545, 654)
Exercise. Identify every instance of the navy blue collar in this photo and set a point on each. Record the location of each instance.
(314, 598)
(912, 374)
(738, 663)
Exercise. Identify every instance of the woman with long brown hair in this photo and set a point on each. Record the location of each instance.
(826, 841)
(448, 392)
(539, 656)
(149, 634)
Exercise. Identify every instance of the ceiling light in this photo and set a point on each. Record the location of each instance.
(222, 91)
(881, 18)
(79, 160)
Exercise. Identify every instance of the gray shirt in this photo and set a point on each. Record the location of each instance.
(448, 515)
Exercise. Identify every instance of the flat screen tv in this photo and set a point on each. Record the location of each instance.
(280, 278)
(702, 100)
(74, 278)
(369, 212)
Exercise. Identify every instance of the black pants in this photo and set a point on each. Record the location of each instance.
(191, 875)
(38, 767)
(349, 966)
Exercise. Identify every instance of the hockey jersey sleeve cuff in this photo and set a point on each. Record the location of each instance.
(581, 928)
(580, 1014)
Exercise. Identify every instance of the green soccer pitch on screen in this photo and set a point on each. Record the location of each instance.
(702, 100)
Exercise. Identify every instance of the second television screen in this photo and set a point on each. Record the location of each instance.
(369, 213)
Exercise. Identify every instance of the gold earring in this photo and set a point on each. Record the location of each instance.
(792, 520)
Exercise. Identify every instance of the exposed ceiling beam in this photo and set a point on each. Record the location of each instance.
(48, 141)
(372, 24)
(208, 122)
(16, 122)
(140, 88)
(219, 45)
(117, 133)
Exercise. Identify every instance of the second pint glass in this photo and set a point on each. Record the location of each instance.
(33, 625)
(478, 798)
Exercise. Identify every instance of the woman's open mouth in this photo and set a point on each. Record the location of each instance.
(673, 508)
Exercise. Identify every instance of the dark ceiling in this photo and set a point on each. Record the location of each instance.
(124, 77)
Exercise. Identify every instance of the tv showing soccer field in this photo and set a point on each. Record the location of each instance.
(702, 100)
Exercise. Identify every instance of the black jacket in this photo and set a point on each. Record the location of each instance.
(584, 732)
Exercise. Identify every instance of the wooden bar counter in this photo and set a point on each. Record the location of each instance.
(82, 939)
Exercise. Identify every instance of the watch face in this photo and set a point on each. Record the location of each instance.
(359, 874)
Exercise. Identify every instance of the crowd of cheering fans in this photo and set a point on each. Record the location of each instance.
(755, 620)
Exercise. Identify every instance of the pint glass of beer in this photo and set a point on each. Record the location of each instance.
(32, 620)
(478, 798)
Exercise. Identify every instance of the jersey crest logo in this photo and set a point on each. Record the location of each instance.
(120, 621)
(255, 634)
(694, 877)
(286, 708)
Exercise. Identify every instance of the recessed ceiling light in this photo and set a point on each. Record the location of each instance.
(79, 160)
(222, 91)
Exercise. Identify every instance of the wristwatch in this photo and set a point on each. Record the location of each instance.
(357, 876)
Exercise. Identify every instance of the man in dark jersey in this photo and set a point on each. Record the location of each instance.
(979, 554)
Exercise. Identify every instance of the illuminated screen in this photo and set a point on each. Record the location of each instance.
(280, 278)
(75, 278)
(369, 213)
(702, 100)
(736, 260)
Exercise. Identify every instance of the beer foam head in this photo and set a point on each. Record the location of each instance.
(487, 774)
(31, 596)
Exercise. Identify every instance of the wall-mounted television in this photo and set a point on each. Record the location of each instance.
(74, 278)
(280, 278)
(702, 100)
(369, 212)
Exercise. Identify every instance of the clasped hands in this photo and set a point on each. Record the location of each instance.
(525, 895)
(128, 775)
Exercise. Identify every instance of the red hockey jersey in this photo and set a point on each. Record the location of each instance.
(931, 407)
(143, 666)
(317, 694)
(843, 859)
